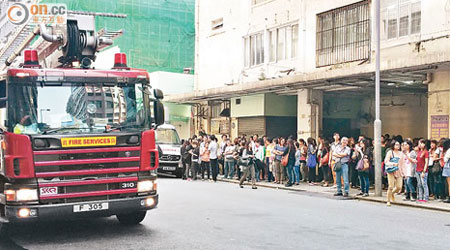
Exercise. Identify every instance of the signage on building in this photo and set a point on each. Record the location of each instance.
(439, 126)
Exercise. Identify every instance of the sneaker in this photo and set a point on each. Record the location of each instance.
(241, 186)
(360, 194)
(389, 204)
(288, 185)
(346, 195)
(406, 198)
(412, 199)
(365, 195)
(447, 201)
(254, 187)
(337, 194)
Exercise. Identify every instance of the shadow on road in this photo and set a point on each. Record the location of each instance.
(67, 232)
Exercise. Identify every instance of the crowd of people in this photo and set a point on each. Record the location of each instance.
(422, 165)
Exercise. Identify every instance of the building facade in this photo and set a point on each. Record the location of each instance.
(306, 68)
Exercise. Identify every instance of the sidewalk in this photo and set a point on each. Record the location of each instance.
(329, 191)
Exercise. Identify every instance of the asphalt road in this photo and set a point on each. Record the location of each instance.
(204, 215)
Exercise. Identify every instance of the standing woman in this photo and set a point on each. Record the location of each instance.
(324, 159)
(279, 151)
(297, 164)
(269, 169)
(446, 169)
(364, 161)
(204, 154)
(290, 151)
(435, 170)
(311, 160)
(352, 163)
(394, 168)
(195, 156)
(246, 163)
(409, 170)
(422, 172)
(303, 154)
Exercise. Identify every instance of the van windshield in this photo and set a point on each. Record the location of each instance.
(167, 136)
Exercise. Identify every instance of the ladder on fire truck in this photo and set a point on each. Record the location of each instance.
(48, 52)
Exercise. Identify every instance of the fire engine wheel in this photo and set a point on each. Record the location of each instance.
(131, 218)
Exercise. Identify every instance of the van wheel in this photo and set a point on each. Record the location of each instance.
(131, 218)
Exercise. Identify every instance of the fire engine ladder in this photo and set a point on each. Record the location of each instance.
(27, 32)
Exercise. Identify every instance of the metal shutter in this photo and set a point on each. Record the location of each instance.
(252, 125)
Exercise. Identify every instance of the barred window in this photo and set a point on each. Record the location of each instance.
(343, 35)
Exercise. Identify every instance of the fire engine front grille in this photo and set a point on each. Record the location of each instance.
(87, 174)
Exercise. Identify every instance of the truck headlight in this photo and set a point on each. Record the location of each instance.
(145, 186)
(21, 195)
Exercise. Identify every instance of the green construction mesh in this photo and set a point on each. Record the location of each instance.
(159, 34)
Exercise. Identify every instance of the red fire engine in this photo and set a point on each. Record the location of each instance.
(76, 141)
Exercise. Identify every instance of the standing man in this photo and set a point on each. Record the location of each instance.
(213, 147)
(342, 155)
(332, 159)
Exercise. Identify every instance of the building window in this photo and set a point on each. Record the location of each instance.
(401, 18)
(238, 101)
(343, 35)
(254, 50)
(283, 43)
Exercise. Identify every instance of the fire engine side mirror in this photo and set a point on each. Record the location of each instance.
(158, 94)
(3, 92)
(159, 113)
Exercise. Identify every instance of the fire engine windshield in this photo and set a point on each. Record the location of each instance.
(81, 108)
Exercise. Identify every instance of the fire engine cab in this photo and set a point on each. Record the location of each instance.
(77, 141)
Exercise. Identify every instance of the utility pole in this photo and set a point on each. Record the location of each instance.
(377, 123)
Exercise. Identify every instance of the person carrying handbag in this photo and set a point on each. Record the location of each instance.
(341, 155)
(289, 154)
(394, 169)
(364, 160)
(247, 164)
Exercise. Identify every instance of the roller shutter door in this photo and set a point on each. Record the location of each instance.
(252, 125)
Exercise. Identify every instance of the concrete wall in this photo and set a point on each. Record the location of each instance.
(250, 106)
(220, 58)
(275, 105)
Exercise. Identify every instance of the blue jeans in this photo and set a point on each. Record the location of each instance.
(342, 173)
(229, 169)
(422, 186)
(364, 182)
(297, 174)
(409, 185)
(257, 175)
(290, 172)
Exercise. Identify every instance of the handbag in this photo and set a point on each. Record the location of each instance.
(311, 161)
(390, 168)
(285, 159)
(436, 168)
(324, 160)
(360, 165)
(243, 161)
(337, 166)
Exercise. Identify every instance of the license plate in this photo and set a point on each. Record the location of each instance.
(169, 168)
(90, 207)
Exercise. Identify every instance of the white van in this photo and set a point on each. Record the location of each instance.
(169, 142)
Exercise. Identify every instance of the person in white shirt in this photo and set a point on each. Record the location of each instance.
(229, 156)
(213, 148)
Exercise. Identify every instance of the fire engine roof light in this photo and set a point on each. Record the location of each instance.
(31, 57)
(120, 60)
